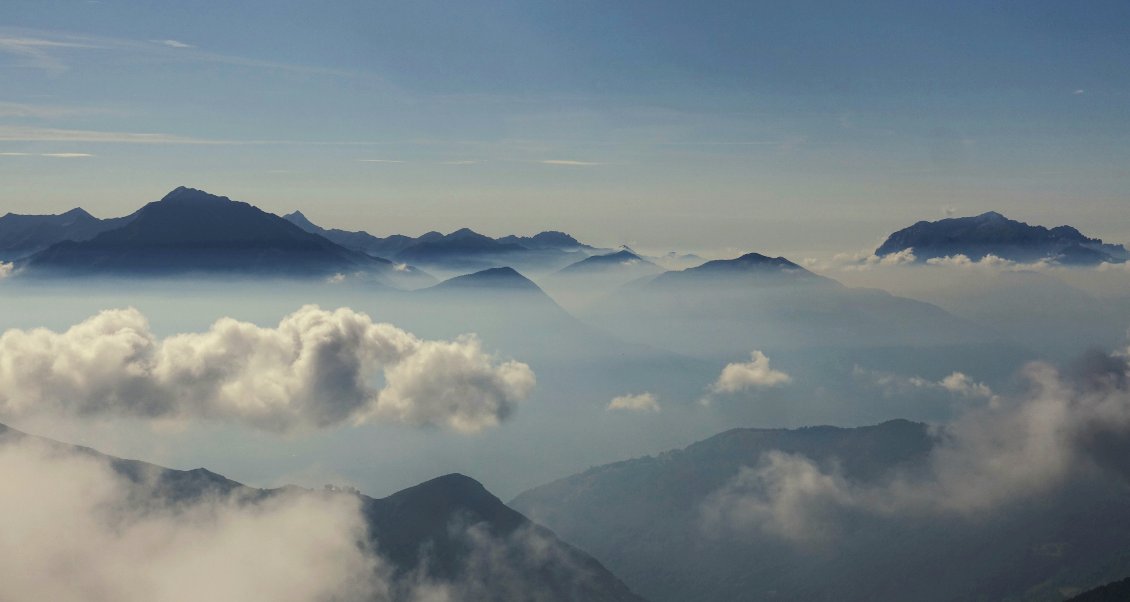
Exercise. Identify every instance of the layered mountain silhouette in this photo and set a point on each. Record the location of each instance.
(994, 234)
(23, 235)
(192, 232)
(462, 250)
(646, 520)
(724, 307)
(579, 284)
(623, 261)
(448, 530)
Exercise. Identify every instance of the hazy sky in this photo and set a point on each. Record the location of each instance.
(783, 127)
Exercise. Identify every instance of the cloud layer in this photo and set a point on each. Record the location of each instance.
(316, 369)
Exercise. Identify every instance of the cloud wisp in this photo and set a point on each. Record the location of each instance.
(643, 402)
(957, 383)
(317, 369)
(569, 163)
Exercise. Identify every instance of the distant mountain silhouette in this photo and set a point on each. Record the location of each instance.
(550, 239)
(493, 279)
(621, 261)
(359, 240)
(643, 518)
(448, 530)
(994, 234)
(749, 267)
(23, 235)
(461, 250)
(191, 231)
(721, 308)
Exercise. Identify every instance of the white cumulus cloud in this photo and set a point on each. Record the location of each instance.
(754, 374)
(315, 369)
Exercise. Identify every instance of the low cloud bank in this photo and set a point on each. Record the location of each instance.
(72, 529)
(1070, 424)
(991, 262)
(316, 369)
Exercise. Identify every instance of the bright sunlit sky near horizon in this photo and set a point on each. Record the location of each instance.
(779, 127)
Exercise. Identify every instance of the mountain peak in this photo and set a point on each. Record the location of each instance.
(504, 278)
(184, 194)
(750, 264)
(464, 232)
(454, 485)
(992, 233)
(78, 213)
(299, 219)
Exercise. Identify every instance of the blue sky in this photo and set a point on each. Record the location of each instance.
(797, 128)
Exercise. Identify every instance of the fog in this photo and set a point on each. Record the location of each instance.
(633, 372)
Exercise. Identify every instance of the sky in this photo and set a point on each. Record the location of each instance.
(793, 128)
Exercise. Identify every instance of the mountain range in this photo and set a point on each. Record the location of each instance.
(994, 234)
(190, 231)
(462, 250)
(23, 235)
(723, 307)
(434, 528)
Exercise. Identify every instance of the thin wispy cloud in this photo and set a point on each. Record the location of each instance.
(51, 155)
(173, 43)
(43, 49)
(39, 53)
(32, 134)
(13, 133)
(569, 162)
(32, 111)
(380, 161)
(458, 162)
